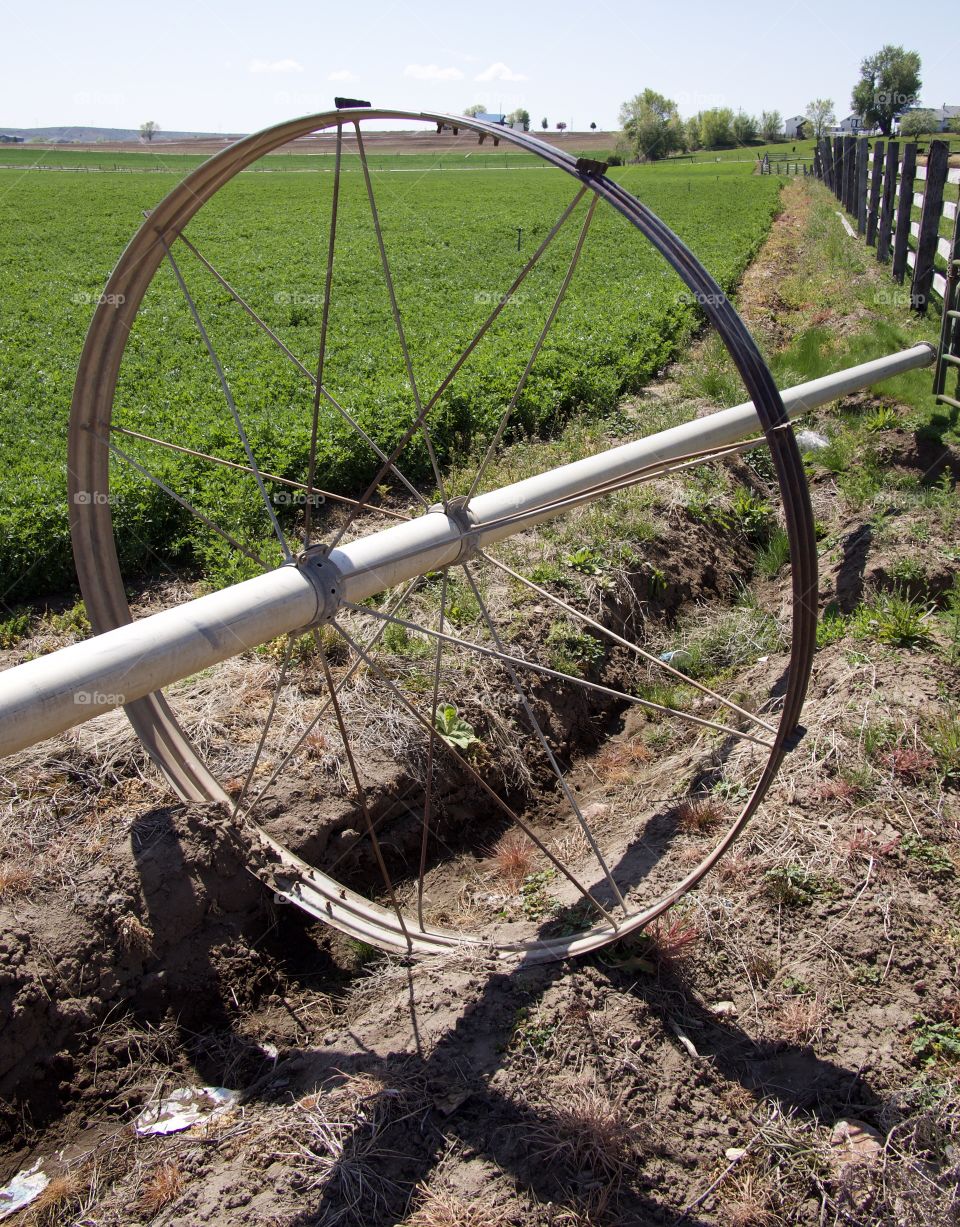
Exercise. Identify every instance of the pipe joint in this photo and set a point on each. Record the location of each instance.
(316, 565)
(458, 510)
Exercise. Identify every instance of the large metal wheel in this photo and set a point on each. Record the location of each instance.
(602, 892)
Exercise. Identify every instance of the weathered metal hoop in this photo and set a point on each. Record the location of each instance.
(98, 567)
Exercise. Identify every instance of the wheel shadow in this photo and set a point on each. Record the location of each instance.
(465, 1069)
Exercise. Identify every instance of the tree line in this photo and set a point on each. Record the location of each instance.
(886, 90)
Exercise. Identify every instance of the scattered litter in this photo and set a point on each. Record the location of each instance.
(597, 810)
(184, 1108)
(679, 657)
(811, 441)
(854, 1141)
(723, 1008)
(22, 1189)
(733, 1153)
(846, 225)
(685, 1040)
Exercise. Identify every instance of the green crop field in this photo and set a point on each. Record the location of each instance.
(452, 241)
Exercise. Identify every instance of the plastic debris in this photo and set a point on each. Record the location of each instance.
(811, 441)
(184, 1108)
(679, 657)
(24, 1188)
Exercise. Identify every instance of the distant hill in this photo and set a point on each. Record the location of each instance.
(88, 136)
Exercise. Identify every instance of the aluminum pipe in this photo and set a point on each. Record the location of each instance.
(48, 695)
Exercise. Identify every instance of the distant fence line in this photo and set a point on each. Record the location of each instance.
(880, 185)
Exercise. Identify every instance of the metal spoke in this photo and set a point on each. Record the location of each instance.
(534, 353)
(398, 323)
(361, 797)
(243, 468)
(324, 322)
(626, 643)
(563, 677)
(374, 640)
(544, 744)
(475, 775)
(288, 555)
(274, 699)
(474, 342)
(428, 796)
(331, 400)
(221, 532)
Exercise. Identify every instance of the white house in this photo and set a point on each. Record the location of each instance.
(793, 128)
(943, 116)
(853, 124)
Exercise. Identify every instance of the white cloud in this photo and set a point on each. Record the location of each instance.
(275, 66)
(342, 74)
(432, 72)
(499, 72)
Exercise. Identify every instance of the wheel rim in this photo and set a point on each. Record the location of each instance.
(103, 589)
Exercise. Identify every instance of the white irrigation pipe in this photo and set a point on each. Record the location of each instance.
(48, 695)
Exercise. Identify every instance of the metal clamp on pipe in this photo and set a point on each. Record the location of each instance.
(458, 510)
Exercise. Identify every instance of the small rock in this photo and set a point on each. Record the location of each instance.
(734, 1152)
(596, 810)
(854, 1141)
(723, 1008)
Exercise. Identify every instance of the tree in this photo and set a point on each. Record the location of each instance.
(149, 130)
(561, 126)
(914, 123)
(744, 128)
(691, 134)
(651, 125)
(953, 125)
(593, 126)
(716, 127)
(771, 125)
(889, 83)
(544, 123)
(821, 116)
(519, 116)
(477, 109)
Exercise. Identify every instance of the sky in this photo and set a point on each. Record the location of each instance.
(245, 65)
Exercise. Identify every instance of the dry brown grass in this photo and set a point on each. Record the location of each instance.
(439, 1207)
(617, 762)
(698, 815)
(800, 1020)
(671, 939)
(513, 858)
(60, 1200)
(590, 1130)
(16, 880)
(163, 1185)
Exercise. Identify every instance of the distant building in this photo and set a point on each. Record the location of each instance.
(853, 124)
(489, 118)
(10, 140)
(942, 117)
(794, 128)
(944, 114)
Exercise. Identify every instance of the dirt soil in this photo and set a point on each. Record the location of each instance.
(778, 1049)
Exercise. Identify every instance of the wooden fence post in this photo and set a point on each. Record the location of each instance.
(849, 171)
(828, 162)
(902, 237)
(886, 206)
(863, 148)
(873, 210)
(929, 225)
(837, 166)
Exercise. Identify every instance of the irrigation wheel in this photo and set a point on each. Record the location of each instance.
(348, 689)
